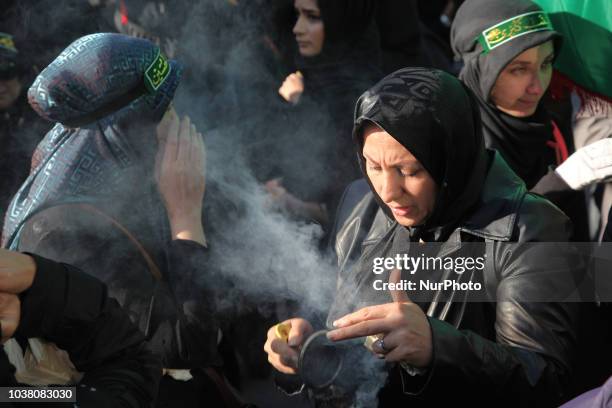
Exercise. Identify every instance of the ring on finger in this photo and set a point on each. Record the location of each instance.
(380, 345)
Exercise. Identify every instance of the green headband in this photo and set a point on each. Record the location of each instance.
(157, 72)
(513, 27)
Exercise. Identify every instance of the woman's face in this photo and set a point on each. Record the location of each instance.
(522, 83)
(308, 29)
(398, 178)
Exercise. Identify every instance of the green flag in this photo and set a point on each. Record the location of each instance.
(586, 54)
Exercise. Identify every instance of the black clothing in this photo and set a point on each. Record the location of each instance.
(452, 152)
(406, 41)
(513, 353)
(95, 203)
(514, 339)
(73, 310)
(177, 313)
(348, 64)
(607, 236)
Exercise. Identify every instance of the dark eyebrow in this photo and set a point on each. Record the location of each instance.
(308, 11)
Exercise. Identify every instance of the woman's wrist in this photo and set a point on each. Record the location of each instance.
(189, 227)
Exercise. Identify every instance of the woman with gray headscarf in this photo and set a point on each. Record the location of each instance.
(508, 48)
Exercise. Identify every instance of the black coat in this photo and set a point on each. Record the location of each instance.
(174, 314)
(72, 309)
(512, 352)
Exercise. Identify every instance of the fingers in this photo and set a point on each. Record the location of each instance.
(281, 354)
(295, 78)
(172, 139)
(292, 87)
(397, 295)
(288, 356)
(10, 310)
(361, 329)
(300, 328)
(363, 314)
(402, 345)
(184, 140)
(17, 271)
(200, 152)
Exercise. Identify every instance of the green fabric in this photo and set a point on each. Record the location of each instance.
(505, 31)
(586, 54)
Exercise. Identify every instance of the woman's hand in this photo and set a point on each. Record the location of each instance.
(402, 325)
(292, 88)
(284, 200)
(181, 175)
(10, 312)
(588, 165)
(17, 271)
(283, 355)
(281, 198)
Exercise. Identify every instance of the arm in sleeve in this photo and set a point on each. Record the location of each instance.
(529, 361)
(196, 289)
(71, 309)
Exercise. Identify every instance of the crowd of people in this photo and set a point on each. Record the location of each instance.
(194, 195)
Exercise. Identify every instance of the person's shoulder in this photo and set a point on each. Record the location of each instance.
(355, 217)
(508, 212)
(540, 220)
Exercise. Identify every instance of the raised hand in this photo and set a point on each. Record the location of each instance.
(292, 88)
(180, 174)
(401, 326)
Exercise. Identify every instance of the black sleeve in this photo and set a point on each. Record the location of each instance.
(607, 236)
(552, 186)
(196, 290)
(72, 309)
(571, 202)
(529, 360)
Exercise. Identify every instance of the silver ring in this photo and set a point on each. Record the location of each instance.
(381, 344)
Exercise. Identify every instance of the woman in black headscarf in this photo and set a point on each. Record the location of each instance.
(338, 58)
(499, 336)
(508, 48)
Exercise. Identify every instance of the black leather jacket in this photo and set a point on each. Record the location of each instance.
(510, 351)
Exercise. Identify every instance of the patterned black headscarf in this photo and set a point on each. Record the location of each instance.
(107, 92)
(436, 118)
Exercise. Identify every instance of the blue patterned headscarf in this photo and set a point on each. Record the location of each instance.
(103, 91)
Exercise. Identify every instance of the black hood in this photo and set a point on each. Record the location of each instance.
(436, 118)
(351, 49)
